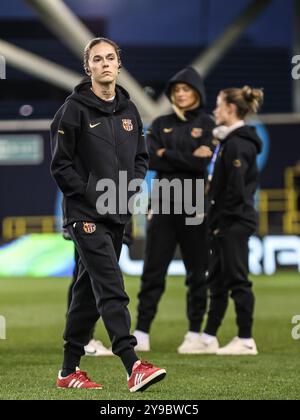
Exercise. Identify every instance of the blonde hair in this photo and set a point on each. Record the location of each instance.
(181, 113)
(247, 99)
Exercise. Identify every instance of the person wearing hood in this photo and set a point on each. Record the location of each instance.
(180, 147)
(232, 218)
(97, 134)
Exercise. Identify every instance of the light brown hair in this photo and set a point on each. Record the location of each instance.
(91, 44)
(247, 100)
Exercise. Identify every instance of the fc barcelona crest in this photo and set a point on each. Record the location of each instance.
(127, 125)
(197, 133)
(89, 227)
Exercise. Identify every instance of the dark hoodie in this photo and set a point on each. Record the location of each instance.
(235, 181)
(181, 138)
(190, 76)
(94, 140)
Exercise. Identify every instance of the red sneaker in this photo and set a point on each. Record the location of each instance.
(143, 375)
(78, 379)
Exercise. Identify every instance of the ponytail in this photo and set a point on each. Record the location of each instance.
(247, 100)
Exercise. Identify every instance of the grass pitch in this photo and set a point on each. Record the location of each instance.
(31, 355)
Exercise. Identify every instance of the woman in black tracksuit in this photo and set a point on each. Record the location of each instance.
(232, 218)
(180, 147)
(97, 136)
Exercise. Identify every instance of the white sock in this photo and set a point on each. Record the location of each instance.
(247, 341)
(207, 338)
(192, 335)
(141, 335)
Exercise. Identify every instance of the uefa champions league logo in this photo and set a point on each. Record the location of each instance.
(2, 67)
(2, 328)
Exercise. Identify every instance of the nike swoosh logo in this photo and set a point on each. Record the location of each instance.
(95, 125)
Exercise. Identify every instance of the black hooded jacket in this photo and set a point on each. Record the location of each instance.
(235, 181)
(93, 140)
(181, 138)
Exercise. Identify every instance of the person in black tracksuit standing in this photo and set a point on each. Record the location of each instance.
(232, 217)
(96, 135)
(180, 147)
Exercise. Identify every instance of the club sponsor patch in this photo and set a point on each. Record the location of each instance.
(89, 227)
(237, 163)
(197, 133)
(127, 125)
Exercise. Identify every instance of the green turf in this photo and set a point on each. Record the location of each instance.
(31, 355)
